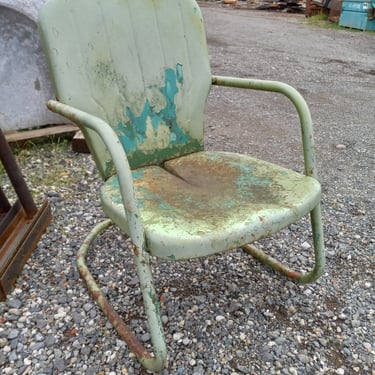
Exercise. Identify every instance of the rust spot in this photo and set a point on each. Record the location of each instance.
(205, 186)
(134, 250)
(294, 275)
(162, 299)
(69, 333)
(134, 344)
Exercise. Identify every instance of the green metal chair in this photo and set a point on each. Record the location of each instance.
(134, 76)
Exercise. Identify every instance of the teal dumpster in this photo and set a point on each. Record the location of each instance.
(358, 14)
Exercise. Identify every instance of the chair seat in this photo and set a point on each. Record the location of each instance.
(208, 202)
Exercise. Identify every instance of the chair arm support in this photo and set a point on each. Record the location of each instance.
(295, 97)
(117, 152)
(141, 257)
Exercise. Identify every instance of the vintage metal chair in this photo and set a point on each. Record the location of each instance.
(134, 76)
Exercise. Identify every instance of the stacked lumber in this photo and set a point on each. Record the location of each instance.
(289, 6)
(292, 6)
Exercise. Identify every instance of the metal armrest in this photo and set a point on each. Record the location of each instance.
(295, 97)
(117, 152)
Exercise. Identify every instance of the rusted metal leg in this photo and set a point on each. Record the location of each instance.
(16, 178)
(4, 203)
(153, 363)
(299, 277)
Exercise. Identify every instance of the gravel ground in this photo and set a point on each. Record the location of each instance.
(226, 314)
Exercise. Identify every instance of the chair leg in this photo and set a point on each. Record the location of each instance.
(299, 277)
(151, 302)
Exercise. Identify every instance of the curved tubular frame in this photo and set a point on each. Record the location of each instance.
(141, 256)
(310, 170)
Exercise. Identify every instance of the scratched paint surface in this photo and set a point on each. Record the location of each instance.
(156, 129)
(210, 201)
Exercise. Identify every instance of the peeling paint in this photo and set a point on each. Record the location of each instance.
(159, 128)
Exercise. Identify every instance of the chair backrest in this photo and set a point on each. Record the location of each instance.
(140, 65)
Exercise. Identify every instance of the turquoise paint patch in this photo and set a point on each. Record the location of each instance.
(171, 257)
(153, 199)
(113, 190)
(180, 76)
(127, 136)
(230, 204)
(247, 179)
(109, 168)
(133, 133)
(138, 174)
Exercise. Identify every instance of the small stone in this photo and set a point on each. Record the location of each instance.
(60, 315)
(305, 245)
(87, 306)
(178, 336)
(14, 303)
(220, 318)
(53, 194)
(304, 358)
(59, 365)
(266, 354)
(322, 341)
(41, 323)
(13, 334)
(340, 146)
(145, 337)
(3, 342)
(39, 337)
(27, 361)
(50, 340)
(367, 345)
(340, 371)
(243, 369)
(86, 350)
(37, 346)
(13, 356)
(192, 362)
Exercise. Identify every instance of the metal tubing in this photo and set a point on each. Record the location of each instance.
(310, 170)
(141, 256)
(16, 178)
(298, 277)
(295, 97)
(151, 363)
